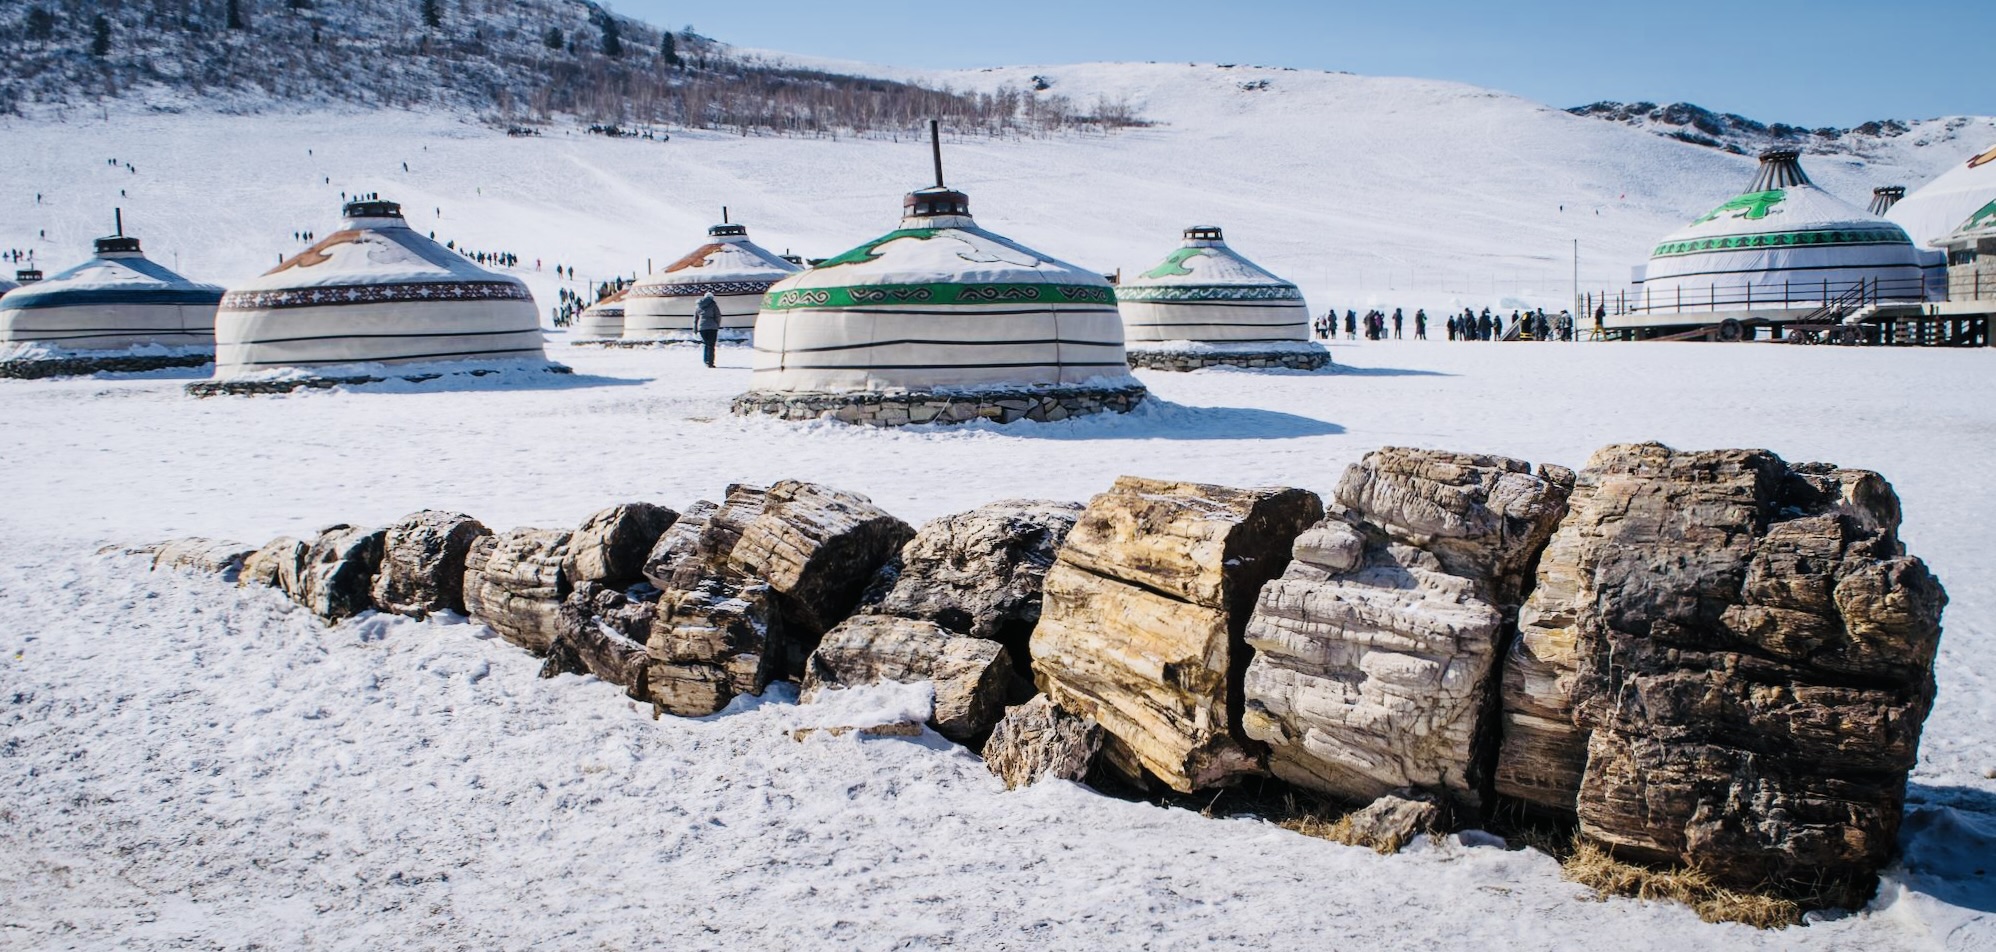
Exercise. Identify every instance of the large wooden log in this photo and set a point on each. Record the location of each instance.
(422, 563)
(513, 583)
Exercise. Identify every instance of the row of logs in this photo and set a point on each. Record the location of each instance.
(1711, 658)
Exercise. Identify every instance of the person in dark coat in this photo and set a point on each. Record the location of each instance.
(1483, 325)
(1351, 325)
(1421, 325)
(707, 320)
(1397, 321)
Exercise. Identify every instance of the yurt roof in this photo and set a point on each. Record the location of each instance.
(728, 256)
(1204, 260)
(1782, 208)
(1937, 209)
(938, 255)
(120, 273)
(1980, 225)
(373, 246)
(610, 302)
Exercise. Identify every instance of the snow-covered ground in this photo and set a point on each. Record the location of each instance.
(186, 764)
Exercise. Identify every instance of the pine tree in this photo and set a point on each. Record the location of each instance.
(613, 44)
(100, 36)
(553, 40)
(235, 15)
(669, 49)
(41, 23)
(433, 14)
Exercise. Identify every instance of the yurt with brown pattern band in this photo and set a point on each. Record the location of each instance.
(729, 266)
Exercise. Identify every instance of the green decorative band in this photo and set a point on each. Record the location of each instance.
(936, 295)
(1789, 239)
(1210, 292)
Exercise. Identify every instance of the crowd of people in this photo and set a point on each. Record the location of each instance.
(494, 259)
(1469, 325)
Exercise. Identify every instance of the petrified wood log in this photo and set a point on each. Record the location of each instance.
(337, 576)
(1376, 652)
(612, 547)
(514, 583)
(982, 572)
(971, 675)
(422, 563)
(710, 644)
(1144, 614)
(1037, 741)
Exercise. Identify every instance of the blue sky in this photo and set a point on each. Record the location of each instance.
(1827, 62)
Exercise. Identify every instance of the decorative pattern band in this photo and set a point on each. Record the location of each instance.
(1789, 239)
(1210, 292)
(697, 288)
(376, 294)
(938, 295)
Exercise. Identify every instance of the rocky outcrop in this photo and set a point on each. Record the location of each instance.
(971, 675)
(1037, 741)
(601, 631)
(1144, 615)
(1376, 652)
(1750, 665)
(422, 563)
(336, 579)
(204, 556)
(279, 564)
(981, 573)
(612, 547)
(514, 584)
(710, 644)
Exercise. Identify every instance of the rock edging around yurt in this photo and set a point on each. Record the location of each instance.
(1185, 356)
(295, 381)
(1730, 681)
(46, 366)
(904, 408)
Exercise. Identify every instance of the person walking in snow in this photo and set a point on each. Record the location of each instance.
(1421, 325)
(1483, 325)
(707, 320)
(1351, 325)
(1397, 319)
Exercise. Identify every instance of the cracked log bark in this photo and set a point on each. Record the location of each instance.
(1142, 624)
(514, 583)
(422, 563)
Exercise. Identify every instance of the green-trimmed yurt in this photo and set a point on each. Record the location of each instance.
(1205, 305)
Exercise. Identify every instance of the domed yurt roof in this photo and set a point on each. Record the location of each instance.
(729, 266)
(374, 291)
(1205, 291)
(939, 310)
(117, 299)
(1784, 238)
(1979, 227)
(603, 319)
(1933, 211)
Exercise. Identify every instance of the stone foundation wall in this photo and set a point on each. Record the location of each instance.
(1185, 360)
(1042, 404)
(43, 368)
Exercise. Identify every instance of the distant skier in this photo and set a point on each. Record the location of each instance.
(707, 320)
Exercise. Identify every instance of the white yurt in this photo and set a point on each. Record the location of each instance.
(603, 320)
(1933, 211)
(734, 269)
(374, 291)
(1205, 305)
(1783, 243)
(117, 303)
(940, 320)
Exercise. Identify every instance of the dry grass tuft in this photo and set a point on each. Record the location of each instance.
(1597, 869)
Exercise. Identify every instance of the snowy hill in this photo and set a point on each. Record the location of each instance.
(1363, 190)
(1743, 136)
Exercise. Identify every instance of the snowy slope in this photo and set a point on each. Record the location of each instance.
(1396, 192)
